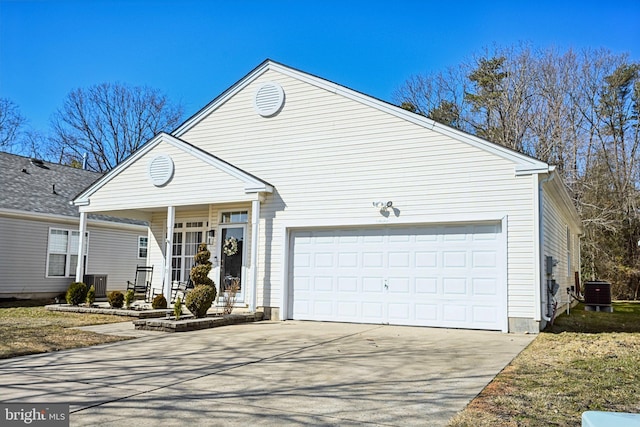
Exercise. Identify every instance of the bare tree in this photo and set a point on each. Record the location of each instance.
(108, 122)
(11, 122)
(578, 111)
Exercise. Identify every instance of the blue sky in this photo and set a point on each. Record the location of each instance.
(194, 49)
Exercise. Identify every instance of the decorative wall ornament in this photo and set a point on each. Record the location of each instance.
(230, 246)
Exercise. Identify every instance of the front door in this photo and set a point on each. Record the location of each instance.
(232, 252)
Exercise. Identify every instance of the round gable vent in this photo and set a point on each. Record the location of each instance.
(269, 99)
(160, 170)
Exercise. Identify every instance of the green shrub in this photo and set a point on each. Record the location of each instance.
(116, 299)
(199, 300)
(200, 271)
(159, 301)
(177, 308)
(128, 298)
(91, 295)
(76, 293)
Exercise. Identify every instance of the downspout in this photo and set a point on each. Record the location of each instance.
(544, 293)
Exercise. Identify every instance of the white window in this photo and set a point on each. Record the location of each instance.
(234, 217)
(186, 238)
(62, 252)
(143, 244)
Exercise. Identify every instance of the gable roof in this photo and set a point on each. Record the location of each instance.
(523, 164)
(252, 184)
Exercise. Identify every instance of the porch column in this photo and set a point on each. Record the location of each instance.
(81, 242)
(255, 231)
(168, 253)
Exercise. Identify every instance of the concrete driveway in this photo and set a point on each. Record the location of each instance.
(267, 374)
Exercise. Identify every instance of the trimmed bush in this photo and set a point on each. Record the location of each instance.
(199, 300)
(116, 299)
(200, 271)
(128, 298)
(91, 295)
(159, 301)
(76, 293)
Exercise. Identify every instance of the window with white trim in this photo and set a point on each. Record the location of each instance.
(62, 252)
(235, 217)
(143, 245)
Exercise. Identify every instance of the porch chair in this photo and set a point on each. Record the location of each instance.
(141, 285)
(181, 287)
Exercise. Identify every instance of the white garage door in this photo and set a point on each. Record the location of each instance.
(447, 276)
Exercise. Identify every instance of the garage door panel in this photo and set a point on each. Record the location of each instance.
(449, 276)
(323, 260)
(485, 232)
(456, 313)
(426, 313)
(302, 260)
(454, 259)
(302, 284)
(399, 259)
(322, 284)
(426, 259)
(399, 285)
(372, 311)
(399, 312)
(426, 285)
(399, 236)
(455, 233)
(373, 259)
(454, 286)
(322, 307)
(484, 259)
(426, 237)
(372, 285)
(348, 284)
(347, 259)
(372, 237)
(301, 307)
(483, 314)
(484, 287)
(348, 310)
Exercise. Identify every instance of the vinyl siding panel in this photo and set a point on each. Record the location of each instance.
(114, 253)
(556, 223)
(23, 255)
(329, 158)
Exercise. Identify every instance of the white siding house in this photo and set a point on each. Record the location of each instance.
(346, 208)
(39, 232)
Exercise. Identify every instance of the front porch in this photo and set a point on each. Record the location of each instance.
(230, 232)
(188, 197)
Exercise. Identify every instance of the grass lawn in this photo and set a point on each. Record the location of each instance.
(585, 361)
(26, 327)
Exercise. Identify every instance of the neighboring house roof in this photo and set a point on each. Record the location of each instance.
(37, 186)
(523, 164)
